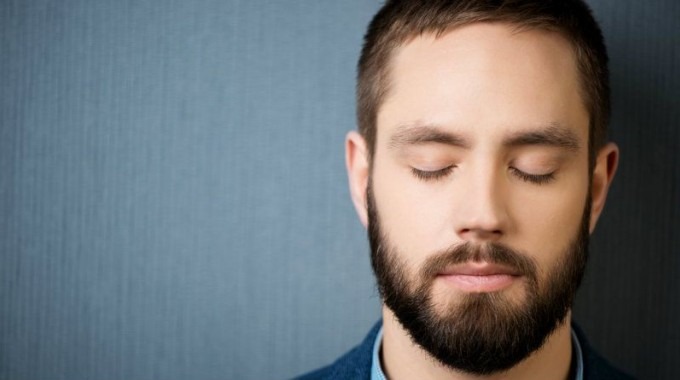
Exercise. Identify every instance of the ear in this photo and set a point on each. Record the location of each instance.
(606, 162)
(356, 160)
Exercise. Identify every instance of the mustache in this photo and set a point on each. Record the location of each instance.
(493, 253)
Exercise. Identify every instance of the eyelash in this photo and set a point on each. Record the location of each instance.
(539, 179)
(427, 175)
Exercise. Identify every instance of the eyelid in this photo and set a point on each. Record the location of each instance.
(537, 163)
(433, 175)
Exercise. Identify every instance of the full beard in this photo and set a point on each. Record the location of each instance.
(481, 333)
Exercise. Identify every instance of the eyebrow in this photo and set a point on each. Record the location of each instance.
(554, 135)
(416, 134)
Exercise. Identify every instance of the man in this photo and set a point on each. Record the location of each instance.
(480, 169)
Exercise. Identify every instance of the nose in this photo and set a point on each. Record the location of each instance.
(481, 213)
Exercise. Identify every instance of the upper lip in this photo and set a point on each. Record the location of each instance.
(476, 268)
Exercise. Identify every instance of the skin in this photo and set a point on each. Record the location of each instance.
(464, 109)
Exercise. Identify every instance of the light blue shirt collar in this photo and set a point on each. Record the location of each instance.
(376, 367)
(378, 374)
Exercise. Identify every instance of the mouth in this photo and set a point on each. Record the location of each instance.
(479, 277)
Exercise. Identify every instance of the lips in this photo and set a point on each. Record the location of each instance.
(479, 277)
(479, 269)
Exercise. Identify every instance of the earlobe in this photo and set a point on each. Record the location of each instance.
(356, 160)
(606, 162)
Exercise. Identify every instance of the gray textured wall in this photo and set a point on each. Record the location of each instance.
(173, 201)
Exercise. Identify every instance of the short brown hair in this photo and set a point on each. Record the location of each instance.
(399, 21)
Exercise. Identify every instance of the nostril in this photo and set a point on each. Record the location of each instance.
(480, 234)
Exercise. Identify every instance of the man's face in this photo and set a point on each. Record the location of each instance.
(478, 199)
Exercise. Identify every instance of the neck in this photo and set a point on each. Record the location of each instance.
(403, 359)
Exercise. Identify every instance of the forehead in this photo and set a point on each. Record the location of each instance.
(485, 78)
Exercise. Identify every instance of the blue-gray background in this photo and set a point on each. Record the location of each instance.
(173, 202)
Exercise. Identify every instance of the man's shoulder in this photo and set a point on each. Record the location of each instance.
(594, 365)
(355, 364)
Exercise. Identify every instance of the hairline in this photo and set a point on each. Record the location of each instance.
(380, 87)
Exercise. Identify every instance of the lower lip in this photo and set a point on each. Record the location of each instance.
(480, 284)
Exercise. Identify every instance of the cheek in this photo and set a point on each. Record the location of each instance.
(413, 220)
(548, 223)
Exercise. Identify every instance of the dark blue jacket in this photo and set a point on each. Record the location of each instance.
(356, 364)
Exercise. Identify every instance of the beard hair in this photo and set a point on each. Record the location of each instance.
(483, 333)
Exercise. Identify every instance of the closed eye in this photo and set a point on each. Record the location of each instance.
(539, 179)
(432, 175)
